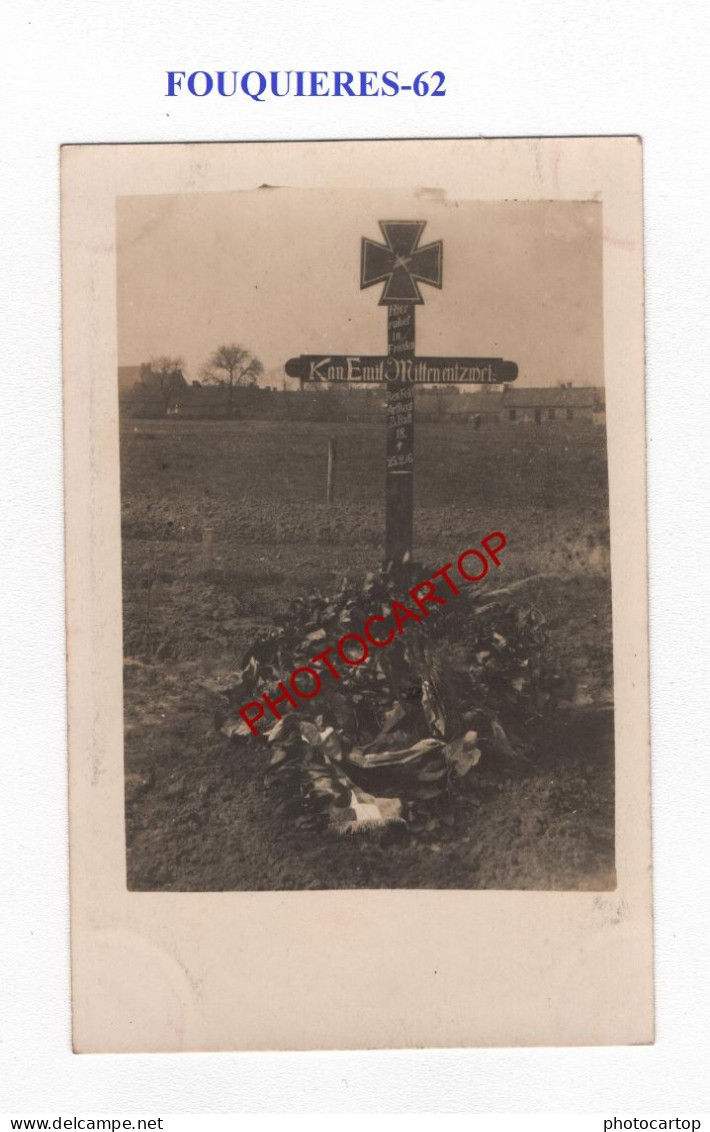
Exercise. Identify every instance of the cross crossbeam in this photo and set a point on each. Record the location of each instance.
(360, 369)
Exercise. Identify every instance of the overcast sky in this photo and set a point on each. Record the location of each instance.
(277, 270)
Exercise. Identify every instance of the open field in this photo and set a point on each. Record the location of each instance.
(197, 817)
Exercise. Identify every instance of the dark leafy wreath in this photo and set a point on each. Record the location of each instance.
(407, 735)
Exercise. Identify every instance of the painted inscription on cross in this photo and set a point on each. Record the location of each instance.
(401, 265)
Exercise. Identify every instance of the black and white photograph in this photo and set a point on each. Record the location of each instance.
(367, 627)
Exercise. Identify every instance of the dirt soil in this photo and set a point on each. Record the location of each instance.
(197, 815)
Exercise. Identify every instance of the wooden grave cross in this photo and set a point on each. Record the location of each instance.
(401, 264)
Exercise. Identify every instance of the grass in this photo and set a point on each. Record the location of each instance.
(260, 486)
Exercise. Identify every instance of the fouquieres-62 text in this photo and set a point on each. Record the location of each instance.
(262, 85)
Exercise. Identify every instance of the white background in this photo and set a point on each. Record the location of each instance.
(82, 71)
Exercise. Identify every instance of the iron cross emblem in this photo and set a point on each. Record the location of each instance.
(400, 263)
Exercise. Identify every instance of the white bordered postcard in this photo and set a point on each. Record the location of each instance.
(357, 596)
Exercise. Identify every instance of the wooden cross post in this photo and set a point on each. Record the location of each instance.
(401, 264)
(399, 452)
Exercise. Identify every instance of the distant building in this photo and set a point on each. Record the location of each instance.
(144, 397)
(546, 405)
(143, 392)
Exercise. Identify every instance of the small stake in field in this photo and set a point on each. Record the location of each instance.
(332, 461)
(207, 549)
(401, 264)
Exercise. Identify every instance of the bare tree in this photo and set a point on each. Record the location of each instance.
(233, 365)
